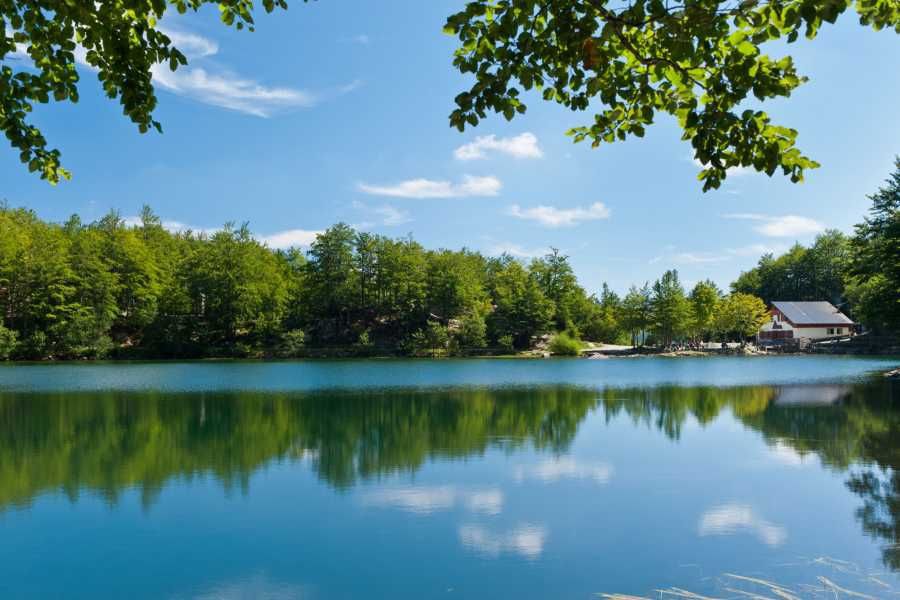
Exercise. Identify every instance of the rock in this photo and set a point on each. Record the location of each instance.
(895, 374)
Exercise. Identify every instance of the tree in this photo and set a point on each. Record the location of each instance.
(704, 298)
(455, 283)
(697, 61)
(8, 339)
(604, 323)
(874, 279)
(671, 309)
(804, 274)
(121, 40)
(740, 314)
(521, 310)
(472, 333)
(236, 287)
(557, 281)
(432, 338)
(331, 287)
(636, 313)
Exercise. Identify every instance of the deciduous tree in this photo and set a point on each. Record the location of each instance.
(702, 62)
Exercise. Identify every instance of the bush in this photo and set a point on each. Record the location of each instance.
(363, 341)
(472, 331)
(431, 340)
(293, 343)
(8, 339)
(506, 343)
(34, 347)
(565, 344)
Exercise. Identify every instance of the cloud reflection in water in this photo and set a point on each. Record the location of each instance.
(425, 500)
(733, 518)
(565, 467)
(526, 540)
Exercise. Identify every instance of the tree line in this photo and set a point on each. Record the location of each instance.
(118, 289)
(110, 288)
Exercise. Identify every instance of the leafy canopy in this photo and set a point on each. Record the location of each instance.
(697, 60)
(119, 38)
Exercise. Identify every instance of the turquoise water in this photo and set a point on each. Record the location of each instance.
(362, 374)
(441, 479)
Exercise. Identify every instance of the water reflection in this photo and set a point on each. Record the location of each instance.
(424, 500)
(735, 518)
(107, 443)
(526, 540)
(564, 467)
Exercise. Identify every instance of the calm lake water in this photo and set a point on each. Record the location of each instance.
(443, 479)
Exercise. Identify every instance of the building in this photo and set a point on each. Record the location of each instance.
(805, 320)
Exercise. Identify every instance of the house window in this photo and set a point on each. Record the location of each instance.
(839, 330)
(831, 331)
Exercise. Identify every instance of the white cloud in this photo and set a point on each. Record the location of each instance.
(755, 250)
(550, 471)
(349, 87)
(696, 258)
(172, 226)
(392, 216)
(550, 216)
(291, 238)
(780, 226)
(361, 39)
(191, 44)
(517, 250)
(526, 540)
(671, 257)
(425, 500)
(524, 145)
(730, 519)
(388, 215)
(427, 188)
(221, 88)
(279, 240)
(229, 91)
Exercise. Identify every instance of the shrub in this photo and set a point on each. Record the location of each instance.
(364, 341)
(293, 343)
(565, 344)
(428, 341)
(472, 331)
(506, 342)
(8, 339)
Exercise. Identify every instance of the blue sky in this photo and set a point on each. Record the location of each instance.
(337, 111)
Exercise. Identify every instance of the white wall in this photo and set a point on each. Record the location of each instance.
(813, 333)
(818, 332)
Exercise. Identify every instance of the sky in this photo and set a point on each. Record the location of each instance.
(338, 111)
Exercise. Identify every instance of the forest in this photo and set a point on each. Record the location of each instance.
(110, 289)
(116, 289)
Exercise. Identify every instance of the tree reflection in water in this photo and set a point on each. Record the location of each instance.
(106, 443)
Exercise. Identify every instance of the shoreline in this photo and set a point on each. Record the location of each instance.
(525, 355)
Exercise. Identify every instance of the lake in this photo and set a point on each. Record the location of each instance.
(443, 479)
